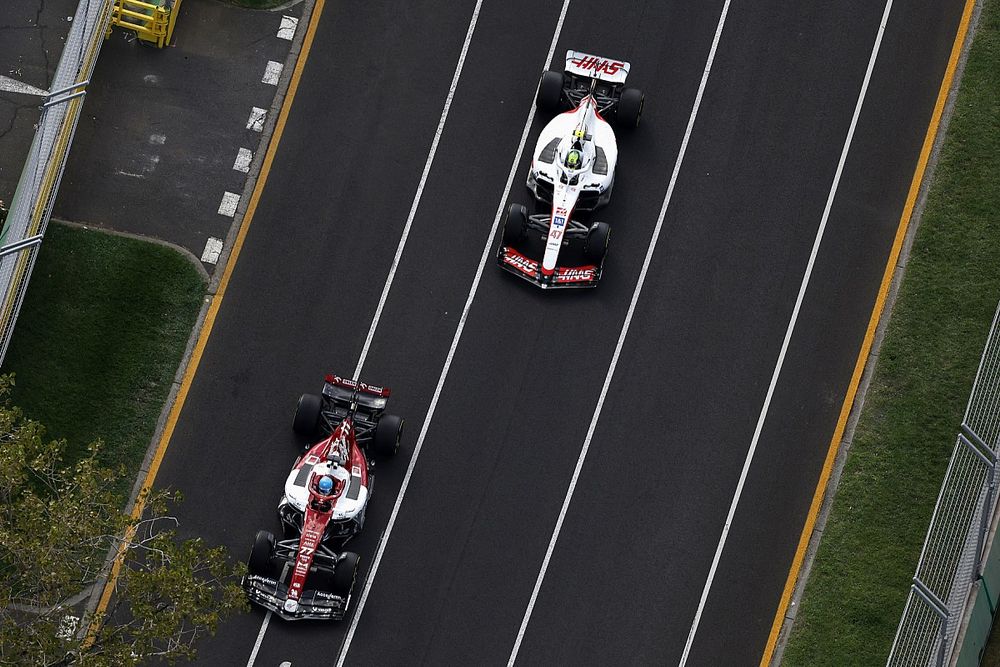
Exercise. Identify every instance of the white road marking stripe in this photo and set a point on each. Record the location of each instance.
(230, 200)
(272, 72)
(621, 337)
(213, 248)
(260, 638)
(788, 335)
(287, 29)
(420, 190)
(243, 158)
(256, 120)
(9, 85)
(447, 364)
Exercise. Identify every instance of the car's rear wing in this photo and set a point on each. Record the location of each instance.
(597, 67)
(341, 394)
(362, 387)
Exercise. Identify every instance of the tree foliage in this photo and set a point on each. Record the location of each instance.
(59, 521)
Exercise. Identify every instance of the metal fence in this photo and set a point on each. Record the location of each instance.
(31, 206)
(952, 558)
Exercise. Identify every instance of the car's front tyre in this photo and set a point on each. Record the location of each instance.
(597, 242)
(515, 225)
(345, 573)
(260, 554)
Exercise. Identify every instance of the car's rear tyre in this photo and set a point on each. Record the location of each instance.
(307, 413)
(597, 242)
(260, 554)
(345, 573)
(550, 90)
(388, 433)
(515, 225)
(630, 107)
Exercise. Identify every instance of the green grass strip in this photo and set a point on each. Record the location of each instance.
(100, 337)
(920, 387)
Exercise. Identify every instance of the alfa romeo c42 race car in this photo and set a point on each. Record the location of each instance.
(305, 575)
(572, 171)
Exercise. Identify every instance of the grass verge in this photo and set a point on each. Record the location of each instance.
(921, 384)
(99, 339)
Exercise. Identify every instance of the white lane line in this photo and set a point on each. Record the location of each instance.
(213, 248)
(788, 335)
(621, 338)
(10, 85)
(287, 28)
(230, 200)
(272, 72)
(260, 638)
(243, 158)
(256, 120)
(420, 190)
(369, 580)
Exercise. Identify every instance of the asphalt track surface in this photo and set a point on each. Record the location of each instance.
(628, 570)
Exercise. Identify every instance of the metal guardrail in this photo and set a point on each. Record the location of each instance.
(31, 206)
(952, 558)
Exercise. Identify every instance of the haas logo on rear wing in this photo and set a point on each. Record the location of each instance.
(605, 69)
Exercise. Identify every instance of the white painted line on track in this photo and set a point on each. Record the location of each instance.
(213, 248)
(256, 120)
(9, 85)
(243, 158)
(230, 200)
(287, 28)
(621, 337)
(272, 72)
(788, 335)
(369, 580)
(420, 190)
(260, 638)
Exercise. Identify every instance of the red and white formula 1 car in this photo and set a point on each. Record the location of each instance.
(324, 502)
(572, 171)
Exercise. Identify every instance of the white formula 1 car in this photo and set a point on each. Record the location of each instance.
(572, 171)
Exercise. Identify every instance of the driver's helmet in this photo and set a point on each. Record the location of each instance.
(325, 485)
(574, 159)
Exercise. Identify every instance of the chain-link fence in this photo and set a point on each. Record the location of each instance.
(36, 190)
(953, 553)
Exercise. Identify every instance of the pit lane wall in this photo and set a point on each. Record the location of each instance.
(31, 207)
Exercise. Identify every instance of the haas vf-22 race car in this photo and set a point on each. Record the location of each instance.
(305, 575)
(572, 172)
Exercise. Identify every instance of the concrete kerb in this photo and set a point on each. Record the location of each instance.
(859, 400)
(279, 98)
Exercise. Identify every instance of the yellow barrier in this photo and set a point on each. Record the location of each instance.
(152, 21)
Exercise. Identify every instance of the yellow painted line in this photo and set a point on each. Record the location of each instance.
(866, 345)
(213, 309)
